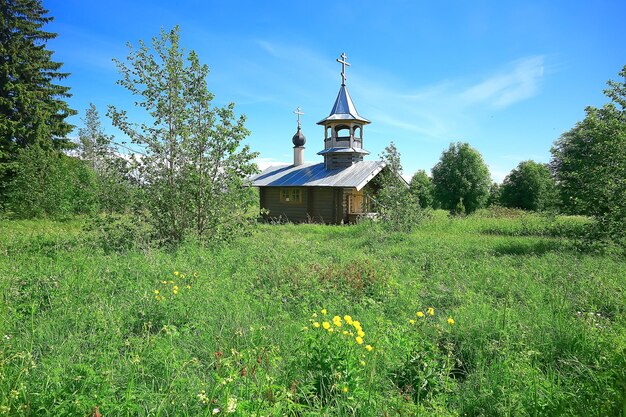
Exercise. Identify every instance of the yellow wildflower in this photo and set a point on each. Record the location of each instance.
(348, 320)
(450, 321)
(182, 276)
(164, 282)
(345, 389)
(412, 321)
(316, 325)
(331, 330)
(324, 311)
(369, 348)
(337, 321)
(314, 315)
(175, 287)
(195, 275)
(360, 333)
(188, 287)
(359, 340)
(176, 273)
(175, 292)
(362, 363)
(345, 332)
(431, 311)
(419, 314)
(156, 292)
(326, 325)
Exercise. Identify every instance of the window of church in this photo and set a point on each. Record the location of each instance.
(290, 196)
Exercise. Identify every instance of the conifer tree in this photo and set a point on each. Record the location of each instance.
(32, 105)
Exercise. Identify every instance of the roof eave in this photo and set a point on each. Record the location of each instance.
(371, 176)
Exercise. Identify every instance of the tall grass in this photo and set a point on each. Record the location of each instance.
(539, 327)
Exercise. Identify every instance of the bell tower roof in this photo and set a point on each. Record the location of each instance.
(344, 107)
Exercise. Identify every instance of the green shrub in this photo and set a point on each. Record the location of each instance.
(427, 357)
(336, 357)
(120, 232)
(50, 184)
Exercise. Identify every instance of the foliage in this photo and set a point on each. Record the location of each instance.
(194, 167)
(32, 106)
(421, 186)
(68, 186)
(529, 187)
(459, 210)
(119, 232)
(427, 358)
(495, 193)
(117, 186)
(589, 163)
(461, 173)
(398, 208)
(538, 325)
(94, 145)
(334, 362)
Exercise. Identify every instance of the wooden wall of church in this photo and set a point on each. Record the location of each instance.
(319, 205)
(296, 213)
(322, 205)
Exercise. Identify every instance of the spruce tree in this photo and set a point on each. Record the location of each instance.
(33, 110)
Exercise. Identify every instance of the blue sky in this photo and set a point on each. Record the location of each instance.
(507, 78)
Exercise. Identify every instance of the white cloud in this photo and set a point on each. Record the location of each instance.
(264, 163)
(446, 110)
(518, 82)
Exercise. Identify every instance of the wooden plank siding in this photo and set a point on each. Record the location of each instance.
(279, 211)
(319, 205)
(322, 207)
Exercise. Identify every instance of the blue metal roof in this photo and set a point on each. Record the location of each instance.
(343, 109)
(344, 150)
(316, 175)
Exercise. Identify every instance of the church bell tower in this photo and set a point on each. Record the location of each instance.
(343, 129)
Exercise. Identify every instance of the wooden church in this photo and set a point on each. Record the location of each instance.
(340, 189)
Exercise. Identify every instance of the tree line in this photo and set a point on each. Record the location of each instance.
(187, 173)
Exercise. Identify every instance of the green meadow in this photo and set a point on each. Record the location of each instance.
(494, 314)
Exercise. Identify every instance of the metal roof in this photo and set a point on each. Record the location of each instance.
(316, 175)
(344, 109)
(344, 150)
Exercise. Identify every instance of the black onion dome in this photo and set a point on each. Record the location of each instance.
(298, 139)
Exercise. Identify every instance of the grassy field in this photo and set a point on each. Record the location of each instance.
(523, 323)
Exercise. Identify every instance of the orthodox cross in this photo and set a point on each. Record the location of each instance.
(343, 63)
(298, 112)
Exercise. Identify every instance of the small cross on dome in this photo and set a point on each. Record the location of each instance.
(298, 112)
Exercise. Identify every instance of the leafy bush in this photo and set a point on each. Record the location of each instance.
(398, 207)
(48, 183)
(120, 232)
(334, 363)
(427, 357)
